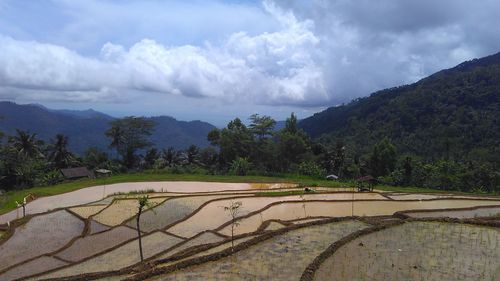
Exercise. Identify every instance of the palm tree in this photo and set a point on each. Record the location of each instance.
(27, 144)
(59, 153)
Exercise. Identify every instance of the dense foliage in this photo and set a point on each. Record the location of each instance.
(445, 128)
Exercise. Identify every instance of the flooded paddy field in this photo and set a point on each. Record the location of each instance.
(93, 244)
(189, 223)
(40, 235)
(418, 251)
(121, 210)
(299, 210)
(213, 214)
(120, 257)
(173, 210)
(286, 256)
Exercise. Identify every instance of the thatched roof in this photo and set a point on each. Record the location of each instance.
(80, 172)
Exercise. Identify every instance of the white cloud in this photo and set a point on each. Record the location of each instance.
(302, 53)
(278, 67)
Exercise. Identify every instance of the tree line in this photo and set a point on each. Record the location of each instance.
(238, 149)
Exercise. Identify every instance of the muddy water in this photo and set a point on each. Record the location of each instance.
(94, 193)
(213, 215)
(290, 211)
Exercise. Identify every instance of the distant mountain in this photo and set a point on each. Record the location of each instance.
(83, 114)
(452, 113)
(86, 128)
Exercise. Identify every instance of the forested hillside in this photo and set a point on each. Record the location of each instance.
(452, 114)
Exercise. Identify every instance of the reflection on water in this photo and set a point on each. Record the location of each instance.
(213, 215)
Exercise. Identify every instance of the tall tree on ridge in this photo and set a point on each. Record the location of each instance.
(128, 135)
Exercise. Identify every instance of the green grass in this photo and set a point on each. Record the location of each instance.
(18, 195)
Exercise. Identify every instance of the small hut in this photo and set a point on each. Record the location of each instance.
(366, 183)
(77, 173)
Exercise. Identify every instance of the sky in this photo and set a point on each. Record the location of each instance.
(214, 60)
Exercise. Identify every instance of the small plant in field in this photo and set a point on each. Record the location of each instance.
(144, 203)
(25, 201)
(303, 205)
(233, 210)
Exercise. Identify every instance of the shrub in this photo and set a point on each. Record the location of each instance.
(311, 169)
(240, 167)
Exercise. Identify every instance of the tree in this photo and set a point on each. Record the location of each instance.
(233, 210)
(192, 154)
(262, 126)
(291, 124)
(171, 157)
(235, 141)
(59, 153)
(95, 158)
(144, 203)
(150, 158)
(383, 158)
(129, 135)
(293, 143)
(209, 158)
(408, 168)
(214, 137)
(27, 144)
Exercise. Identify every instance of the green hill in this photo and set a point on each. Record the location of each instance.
(86, 128)
(452, 114)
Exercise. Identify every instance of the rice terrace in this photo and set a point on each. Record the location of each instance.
(274, 232)
(252, 140)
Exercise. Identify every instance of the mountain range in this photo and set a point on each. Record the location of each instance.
(86, 128)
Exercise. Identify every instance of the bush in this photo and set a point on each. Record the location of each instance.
(240, 167)
(311, 169)
(50, 178)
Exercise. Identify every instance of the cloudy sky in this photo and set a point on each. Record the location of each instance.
(217, 59)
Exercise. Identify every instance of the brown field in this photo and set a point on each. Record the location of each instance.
(40, 235)
(418, 251)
